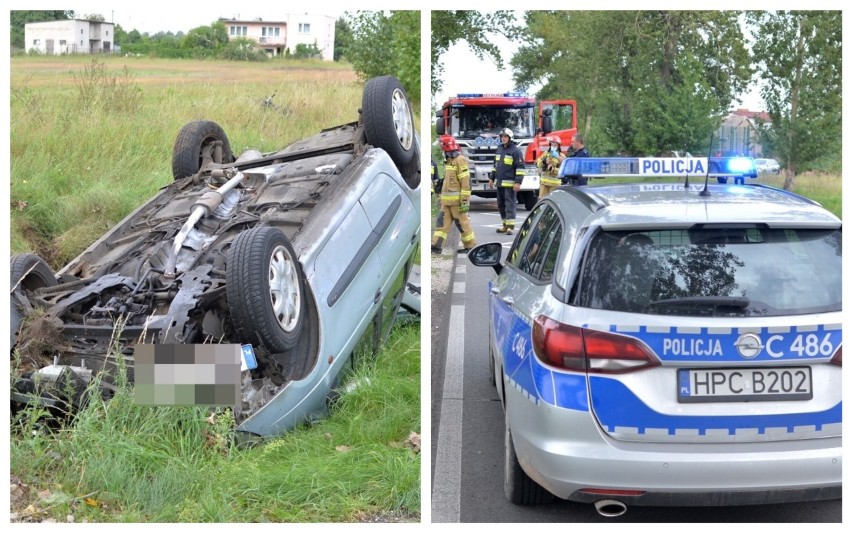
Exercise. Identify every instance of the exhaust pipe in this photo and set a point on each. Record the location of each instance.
(610, 508)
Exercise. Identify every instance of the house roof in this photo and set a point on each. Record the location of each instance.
(256, 21)
(759, 115)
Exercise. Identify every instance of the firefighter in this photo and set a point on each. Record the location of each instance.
(548, 163)
(508, 173)
(455, 198)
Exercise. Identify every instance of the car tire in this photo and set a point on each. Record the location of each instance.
(195, 142)
(519, 488)
(388, 119)
(265, 289)
(28, 273)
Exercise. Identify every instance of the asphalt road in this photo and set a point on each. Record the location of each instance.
(467, 418)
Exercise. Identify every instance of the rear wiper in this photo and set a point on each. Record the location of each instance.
(740, 302)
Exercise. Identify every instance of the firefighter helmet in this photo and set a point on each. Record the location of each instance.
(508, 133)
(448, 143)
(552, 139)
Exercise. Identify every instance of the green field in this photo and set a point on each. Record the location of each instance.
(89, 143)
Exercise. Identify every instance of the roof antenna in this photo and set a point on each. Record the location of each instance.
(706, 192)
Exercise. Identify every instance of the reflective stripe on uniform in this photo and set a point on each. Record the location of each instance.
(550, 182)
(439, 234)
(451, 195)
(507, 184)
(468, 238)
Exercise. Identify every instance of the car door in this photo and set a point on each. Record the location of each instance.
(523, 291)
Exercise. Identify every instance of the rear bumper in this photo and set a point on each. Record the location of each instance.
(566, 452)
(717, 498)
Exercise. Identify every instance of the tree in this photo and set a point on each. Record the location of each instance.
(474, 27)
(18, 19)
(799, 53)
(644, 81)
(342, 38)
(212, 37)
(387, 43)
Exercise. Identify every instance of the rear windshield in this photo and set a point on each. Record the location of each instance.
(719, 271)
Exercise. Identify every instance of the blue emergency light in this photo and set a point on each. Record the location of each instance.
(486, 141)
(658, 167)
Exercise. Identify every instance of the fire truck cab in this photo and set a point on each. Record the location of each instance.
(475, 121)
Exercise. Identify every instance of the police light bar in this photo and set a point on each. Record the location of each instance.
(658, 167)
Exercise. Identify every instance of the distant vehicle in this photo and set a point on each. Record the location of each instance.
(475, 119)
(300, 254)
(767, 166)
(669, 343)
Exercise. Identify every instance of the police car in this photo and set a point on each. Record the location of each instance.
(669, 342)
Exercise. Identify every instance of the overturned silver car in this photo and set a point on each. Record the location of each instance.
(301, 253)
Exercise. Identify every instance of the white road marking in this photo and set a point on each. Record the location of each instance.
(446, 492)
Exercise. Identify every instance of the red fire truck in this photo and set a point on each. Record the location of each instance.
(475, 121)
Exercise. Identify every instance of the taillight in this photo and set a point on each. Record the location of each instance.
(838, 357)
(598, 352)
(558, 344)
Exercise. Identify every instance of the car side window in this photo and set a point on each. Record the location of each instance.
(546, 261)
(535, 244)
(523, 239)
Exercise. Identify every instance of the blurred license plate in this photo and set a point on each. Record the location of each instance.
(744, 384)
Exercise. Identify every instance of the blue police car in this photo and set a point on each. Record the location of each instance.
(669, 342)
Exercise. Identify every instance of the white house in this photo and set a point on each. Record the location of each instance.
(71, 36)
(274, 37)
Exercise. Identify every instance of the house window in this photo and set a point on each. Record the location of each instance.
(231, 30)
(81, 31)
(62, 42)
(36, 42)
(107, 32)
(304, 27)
(278, 32)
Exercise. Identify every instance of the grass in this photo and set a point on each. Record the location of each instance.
(122, 462)
(82, 159)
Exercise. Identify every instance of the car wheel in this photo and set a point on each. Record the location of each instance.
(519, 488)
(196, 142)
(388, 119)
(29, 272)
(265, 289)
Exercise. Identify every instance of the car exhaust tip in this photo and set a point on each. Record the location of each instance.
(610, 508)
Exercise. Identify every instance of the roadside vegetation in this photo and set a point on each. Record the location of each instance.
(91, 140)
(122, 462)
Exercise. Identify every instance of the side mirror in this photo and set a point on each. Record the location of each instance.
(486, 255)
(439, 126)
(546, 123)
